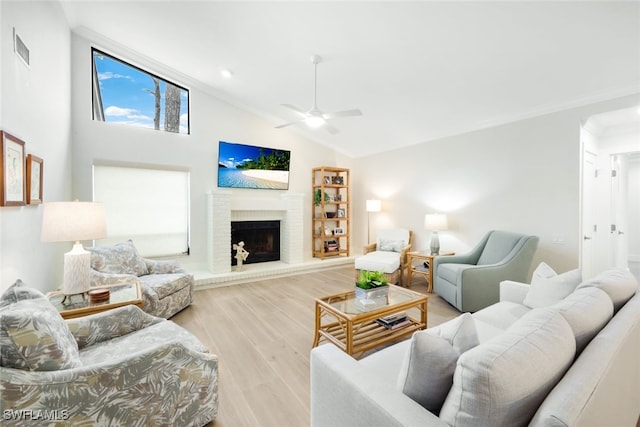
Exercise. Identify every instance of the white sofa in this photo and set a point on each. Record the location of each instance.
(569, 357)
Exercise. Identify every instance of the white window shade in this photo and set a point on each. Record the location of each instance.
(149, 206)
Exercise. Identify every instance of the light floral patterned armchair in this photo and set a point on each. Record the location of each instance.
(119, 367)
(166, 287)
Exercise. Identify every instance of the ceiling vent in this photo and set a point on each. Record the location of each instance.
(20, 48)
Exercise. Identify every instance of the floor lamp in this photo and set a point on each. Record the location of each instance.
(373, 205)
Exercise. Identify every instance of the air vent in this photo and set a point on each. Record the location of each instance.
(20, 48)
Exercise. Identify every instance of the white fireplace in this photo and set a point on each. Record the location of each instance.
(223, 207)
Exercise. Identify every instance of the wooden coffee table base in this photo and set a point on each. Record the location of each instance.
(356, 333)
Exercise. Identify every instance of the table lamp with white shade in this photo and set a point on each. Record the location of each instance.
(73, 222)
(373, 205)
(435, 223)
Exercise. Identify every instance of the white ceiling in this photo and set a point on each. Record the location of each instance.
(418, 70)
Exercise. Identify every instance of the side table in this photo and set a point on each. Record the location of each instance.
(421, 268)
(79, 305)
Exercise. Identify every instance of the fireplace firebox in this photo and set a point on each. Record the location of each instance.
(261, 239)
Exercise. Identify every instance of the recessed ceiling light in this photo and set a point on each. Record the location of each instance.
(226, 73)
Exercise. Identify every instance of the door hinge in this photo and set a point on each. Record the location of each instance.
(614, 173)
(613, 228)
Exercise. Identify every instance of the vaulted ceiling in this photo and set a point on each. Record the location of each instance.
(417, 70)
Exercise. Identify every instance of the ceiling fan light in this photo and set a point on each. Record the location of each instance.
(314, 121)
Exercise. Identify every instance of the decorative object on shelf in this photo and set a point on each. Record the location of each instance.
(331, 246)
(317, 197)
(373, 205)
(341, 213)
(338, 230)
(69, 222)
(435, 223)
(34, 179)
(241, 254)
(12, 188)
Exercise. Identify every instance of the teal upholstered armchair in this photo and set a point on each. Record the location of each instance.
(471, 281)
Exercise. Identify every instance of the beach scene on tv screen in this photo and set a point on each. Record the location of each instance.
(248, 166)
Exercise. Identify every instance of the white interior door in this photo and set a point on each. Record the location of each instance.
(619, 241)
(588, 259)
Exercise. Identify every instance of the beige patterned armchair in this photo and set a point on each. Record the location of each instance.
(118, 367)
(166, 287)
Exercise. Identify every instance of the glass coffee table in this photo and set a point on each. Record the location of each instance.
(343, 322)
(71, 306)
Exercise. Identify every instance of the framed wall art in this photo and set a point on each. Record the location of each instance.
(12, 185)
(34, 179)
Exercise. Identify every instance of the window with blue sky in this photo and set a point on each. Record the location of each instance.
(125, 94)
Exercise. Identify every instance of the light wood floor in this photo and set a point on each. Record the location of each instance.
(262, 333)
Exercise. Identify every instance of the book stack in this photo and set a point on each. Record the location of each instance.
(394, 321)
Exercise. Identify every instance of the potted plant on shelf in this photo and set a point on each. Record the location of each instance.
(317, 197)
(372, 285)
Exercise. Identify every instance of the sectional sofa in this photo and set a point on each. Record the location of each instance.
(558, 352)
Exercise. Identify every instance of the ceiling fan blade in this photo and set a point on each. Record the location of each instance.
(345, 113)
(330, 129)
(289, 124)
(294, 108)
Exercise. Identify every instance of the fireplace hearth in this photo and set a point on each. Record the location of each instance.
(261, 239)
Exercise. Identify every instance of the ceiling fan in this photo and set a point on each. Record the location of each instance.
(314, 117)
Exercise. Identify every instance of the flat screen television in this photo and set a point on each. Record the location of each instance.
(249, 166)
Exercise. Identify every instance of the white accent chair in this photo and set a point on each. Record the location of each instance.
(388, 254)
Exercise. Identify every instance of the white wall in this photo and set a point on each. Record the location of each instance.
(35, 107)
(522, 176)
(212, 120)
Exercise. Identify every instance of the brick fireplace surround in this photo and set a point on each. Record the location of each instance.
(223, 207)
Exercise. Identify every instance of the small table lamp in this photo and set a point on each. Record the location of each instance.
(69, 222)
(373, 205)
(435, 223)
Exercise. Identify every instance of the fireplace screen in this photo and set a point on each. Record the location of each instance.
(261, 239)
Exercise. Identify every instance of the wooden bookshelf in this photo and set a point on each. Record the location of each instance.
(331, 210)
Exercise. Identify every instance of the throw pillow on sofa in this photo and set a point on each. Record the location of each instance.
(619, 284)
(427, 371)
(122, 258)
(18, 292)
(503, 381)
(548, 287)
(33, 335)
(587, 310)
